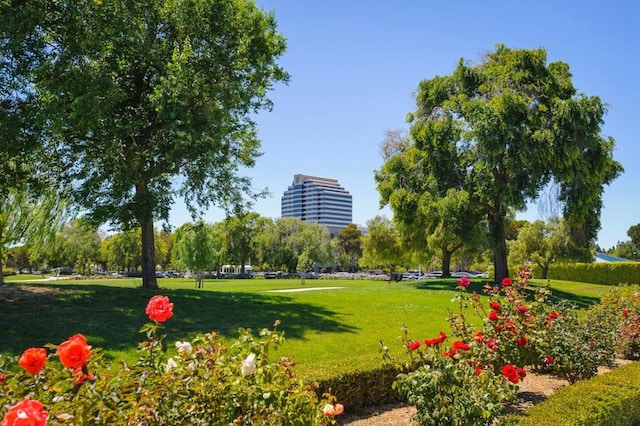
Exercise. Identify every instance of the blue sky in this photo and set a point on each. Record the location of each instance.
(355, 64)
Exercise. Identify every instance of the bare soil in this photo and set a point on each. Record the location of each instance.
(534, 388)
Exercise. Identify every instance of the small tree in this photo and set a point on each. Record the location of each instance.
(382, 246)
(541, 243)
(350, 243)
(197, 247)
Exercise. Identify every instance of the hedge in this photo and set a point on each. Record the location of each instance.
(608, 399)
(361, 389)
(607, 273)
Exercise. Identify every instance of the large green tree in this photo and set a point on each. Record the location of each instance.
(513, 124)
(147, 101)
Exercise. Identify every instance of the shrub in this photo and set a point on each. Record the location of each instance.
(206, 383)
(619, 312)
(454, 388)
(469, 381)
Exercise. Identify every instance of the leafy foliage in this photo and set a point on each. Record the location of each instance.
(205, 383)
(499, 132)
(145, 102)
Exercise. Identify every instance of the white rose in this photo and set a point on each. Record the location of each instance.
(184, 347)
(249, 365)
(170, 364)
(329, 410)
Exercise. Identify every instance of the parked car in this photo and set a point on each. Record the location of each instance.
(461, 274)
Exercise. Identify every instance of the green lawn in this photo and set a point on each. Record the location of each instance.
(326, 330)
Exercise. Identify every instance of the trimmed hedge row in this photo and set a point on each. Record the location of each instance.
(607, 273)
(362, 389)
(609, 399)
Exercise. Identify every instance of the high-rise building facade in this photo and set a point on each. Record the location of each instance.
(319, 200)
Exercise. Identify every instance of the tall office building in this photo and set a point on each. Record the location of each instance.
(319, 200)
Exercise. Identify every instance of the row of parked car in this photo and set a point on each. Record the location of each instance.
(415, 275)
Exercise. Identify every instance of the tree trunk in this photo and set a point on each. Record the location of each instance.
(499, 244)
(545, 270)
(1, 257)
(446, 262)
(148, 256)
(148, 247)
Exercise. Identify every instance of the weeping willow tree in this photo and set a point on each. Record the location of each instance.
(30, 219)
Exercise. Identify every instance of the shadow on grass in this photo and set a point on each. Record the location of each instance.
(580, 301)
(111, 317)
(449, 284)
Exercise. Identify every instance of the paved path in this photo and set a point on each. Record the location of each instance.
(297, 290)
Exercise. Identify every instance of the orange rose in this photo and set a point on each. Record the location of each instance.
(74, 353)
(33, 359)
(26, 412)
(159, 308)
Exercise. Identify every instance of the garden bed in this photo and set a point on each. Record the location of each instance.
(534, 389)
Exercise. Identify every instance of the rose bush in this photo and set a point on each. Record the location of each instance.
(207, 382)
(470, 381)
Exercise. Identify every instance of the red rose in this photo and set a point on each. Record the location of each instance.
(625, 312)
(548, 360)
(33, 359)
(522, 341)
(552, 316)
(74, 353)
(506, 282)
(27, 413)
(479, 371)
(442, 337)
(159, 308)
(492, 344)
(413, 345)
(511, 326)
(521, 373)
(464, 282)
(495, 305)
(522, 309)
(460, 346)
(478, 337)
(493, 316)
(3, 378)
(81, 377)
(510, 372)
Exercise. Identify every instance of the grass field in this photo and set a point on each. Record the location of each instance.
(327, 331)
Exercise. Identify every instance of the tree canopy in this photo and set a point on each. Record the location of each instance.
(504, 129)
(144, 102)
